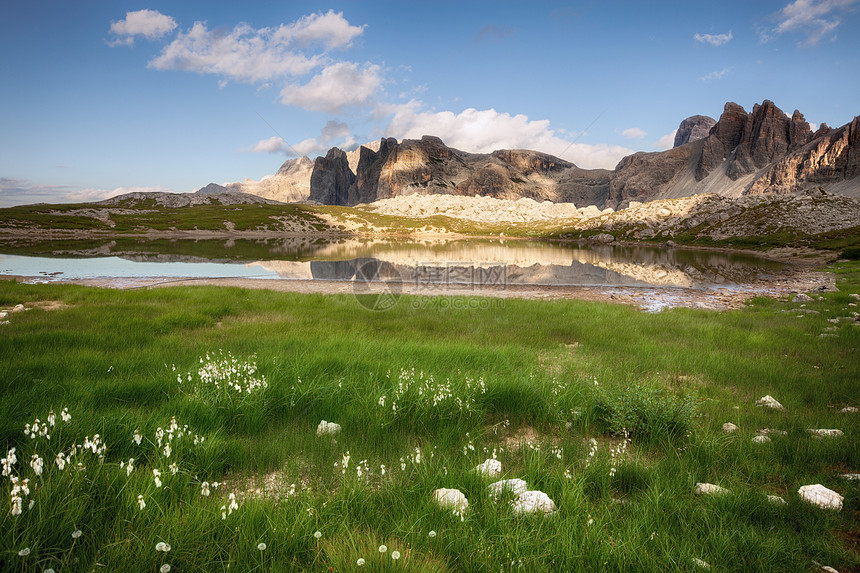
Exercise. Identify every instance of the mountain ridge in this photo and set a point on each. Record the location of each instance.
(763, 151)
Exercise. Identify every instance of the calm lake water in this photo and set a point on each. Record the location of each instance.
(474, 262)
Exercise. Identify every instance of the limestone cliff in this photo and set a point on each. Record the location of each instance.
(692, 129)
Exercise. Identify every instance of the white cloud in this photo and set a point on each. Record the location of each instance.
(634, 133)
(718, 75)
(714, 40)
(244, 54)
(150, 24)
(23, 192)
(483, 131)
(330, 29)
(667, 141)
(815, 19)
(335, 88)
(251, 55)
(333, 133)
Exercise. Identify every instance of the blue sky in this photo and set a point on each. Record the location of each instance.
(99, 98)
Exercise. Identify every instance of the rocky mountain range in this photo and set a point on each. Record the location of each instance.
(763, 151)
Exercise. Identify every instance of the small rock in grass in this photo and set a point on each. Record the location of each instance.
(851, 477)
(710, 489)
(3, 315)
(533, 502)
(761, 440)
(820, 496)
(776, 500)
(849, 410)
(728, 428)
(828, 569)
(825, 432)
(490, 468)
(19, 308)
(451, 499)
(769, 402)
(701, 564)
(802, 298)
(516, 486)
(770, 432)
(854, 295)
(328, 428)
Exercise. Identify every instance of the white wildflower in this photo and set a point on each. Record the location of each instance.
(233, 505)
(167, 451)
(140, 502)
(130, 467)
(24, 552)
(261, 546)
(432, 534)
(66, 416)
(156, 477)
(31, 504)
(77, 534)
(174, 469)
(16, 505)
(317, 534)
(164, 568)
(383, 548)
(395, 555)
(204, 489)
(223, 512)
(137, 437)
(8, 462)
(37, 464)
(52, 419)
(61, 461)
(360, 562)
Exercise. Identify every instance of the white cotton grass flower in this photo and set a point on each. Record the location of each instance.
(174, 469)
(167, 451)
(233, 506)
(37, 464)
(137, 437)
(395, 555)
(8, 462)
(140, 502)
(61, 461)
(156, 477)
(317, 534)
(31, 504)
(204, 489)
(24, 552)
(162, 546)
(77, 534)
(360, 562)
(66, 417)
(52, 419)
(261, 546)
(130, 467)
(16, 505)
(383, 548)
(223, 512)
(165, 568)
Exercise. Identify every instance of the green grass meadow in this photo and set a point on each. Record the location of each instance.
(424, 393)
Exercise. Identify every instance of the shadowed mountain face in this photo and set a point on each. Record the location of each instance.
(763, 151)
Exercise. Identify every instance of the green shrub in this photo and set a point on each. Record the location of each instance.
(645, 411)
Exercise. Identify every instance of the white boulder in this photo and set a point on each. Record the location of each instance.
(769, 402)
(451, 499)
(328, 428)
(729, 428)
(490, 468)
(820, 496)
(825, 433)
(845, 410)
(516, 486)
(761, 440)
(533, 502)
(710, 489)
(18, 308)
